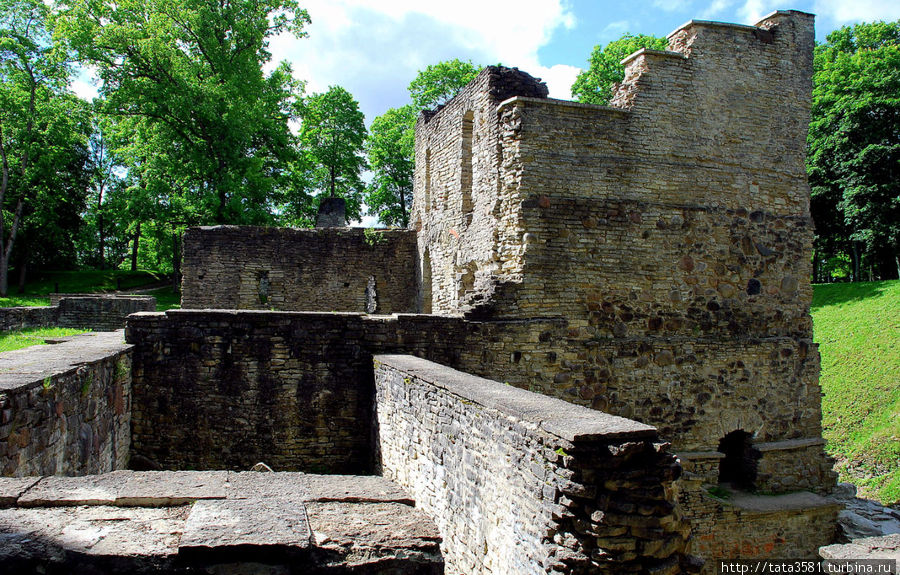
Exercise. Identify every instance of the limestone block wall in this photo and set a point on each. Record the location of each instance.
(15, 318)
(65, 409)
(521, 483)
(99, 312)
(466, 222)
(332, 269)
(226, 390)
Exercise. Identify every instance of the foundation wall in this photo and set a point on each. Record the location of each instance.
(331, 269)
(66, 409)
(547, 486)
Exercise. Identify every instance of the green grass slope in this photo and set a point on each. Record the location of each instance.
(10, 340)
(857, 327)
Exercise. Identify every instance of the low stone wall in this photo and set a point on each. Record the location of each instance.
(16, 318)
(521, 483)
(101, 312)
(95, 312)
(65, 409)
(331, 269)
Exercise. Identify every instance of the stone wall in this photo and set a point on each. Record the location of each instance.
(101, 312)
(521, 483)
(79, 311)
(332, 269)
(16, 318)
(65, 409)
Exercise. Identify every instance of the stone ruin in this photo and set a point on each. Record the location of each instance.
(591, 353)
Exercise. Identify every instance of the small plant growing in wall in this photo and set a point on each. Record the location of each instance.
(372, 237)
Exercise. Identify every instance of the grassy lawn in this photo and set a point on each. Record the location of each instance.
(857, 327)
(10, 340)
(88, 281)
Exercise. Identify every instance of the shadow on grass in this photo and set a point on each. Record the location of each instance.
(839, 293)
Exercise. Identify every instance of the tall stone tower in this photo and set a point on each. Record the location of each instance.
(671, 235)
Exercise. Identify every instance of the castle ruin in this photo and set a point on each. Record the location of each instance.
(647, 263)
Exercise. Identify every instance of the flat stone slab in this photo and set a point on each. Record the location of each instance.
(162, 488)
(29, 367)
(775, 503)
(11, 488)
(60, 491)
(561, 418)
(92, 530)
(185, 522)
(359, 532)
(267, 484)
(354, 489)
(884, 547)
(264, 525)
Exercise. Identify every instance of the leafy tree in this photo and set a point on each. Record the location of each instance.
(390, 148)
(43, 136)
(438, 83)
(332, 135)
(854, 146)
(190, 73)
(596, 84)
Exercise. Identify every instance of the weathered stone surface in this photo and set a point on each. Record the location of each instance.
(353, 489)
(884, 547)
(362, 532)
(60, 491)
(268, 533)
(165, 488)
(11, 488)
(264, 525)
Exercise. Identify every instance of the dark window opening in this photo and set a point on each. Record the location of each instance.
(739, 466)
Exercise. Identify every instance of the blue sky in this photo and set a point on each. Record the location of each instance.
(374, 48)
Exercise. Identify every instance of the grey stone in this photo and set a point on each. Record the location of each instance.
(354, 488)
(265, 525)
(164, 488)
(60, 491)
(11, 488)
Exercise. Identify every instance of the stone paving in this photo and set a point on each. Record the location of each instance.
(213, 521)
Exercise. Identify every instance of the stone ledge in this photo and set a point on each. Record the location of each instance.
(565, 420)
(789, 444)
(562, 104)
(799, 501)
(29, 367)
(649, 52)
(886, 547)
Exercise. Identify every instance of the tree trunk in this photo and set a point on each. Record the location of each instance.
(134, 248)
(332, 181)
(176, 262)
(22, 271)
(855, 261)
(4, 275)
(815, 274)
(101, 248)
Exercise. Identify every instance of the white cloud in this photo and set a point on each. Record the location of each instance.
(559, 78)
(753, 10)
(84, 84)
(715, 8)
(614, 30)
(375, 47)
(846, 11)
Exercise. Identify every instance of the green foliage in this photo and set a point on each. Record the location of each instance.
(332, 135)
(438, 83)
(372, 237)
(390, 147)
(12, 340)
(206, 135)
(595, 85)
(857, 327)
(44, 163)
(854, 145)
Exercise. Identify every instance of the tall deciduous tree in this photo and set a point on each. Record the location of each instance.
(332, 135)
(854, 146)
(390, 148)
(191, 72)
(595, 85)
(438, 83)
(43, 133)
